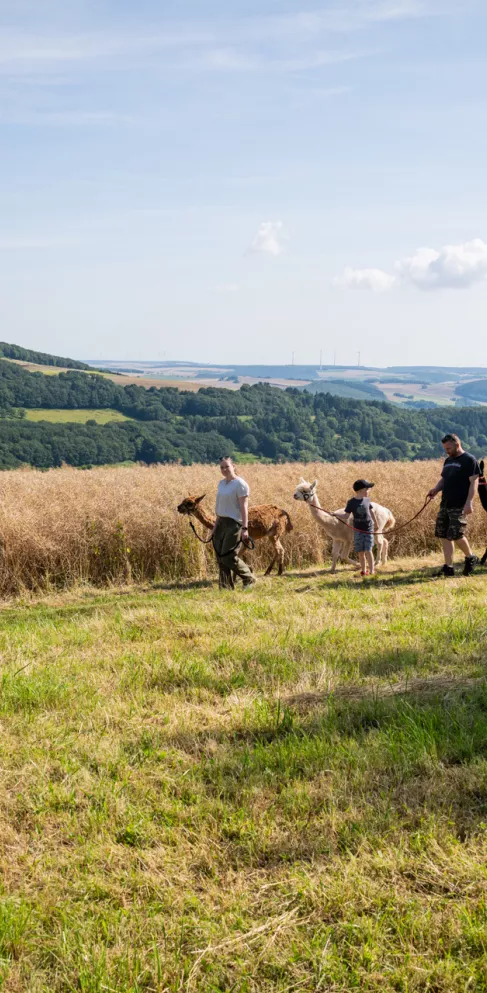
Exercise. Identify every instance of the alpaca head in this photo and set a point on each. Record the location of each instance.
(305, 491)
(190, 504)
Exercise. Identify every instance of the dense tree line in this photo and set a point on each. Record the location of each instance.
(45, 445)
(261, 421)
(40, 358)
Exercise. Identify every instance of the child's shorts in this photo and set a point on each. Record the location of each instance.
(363, 541)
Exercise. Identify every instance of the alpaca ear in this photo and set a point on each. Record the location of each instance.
(199, 499)
(314, 485)
(301, 480)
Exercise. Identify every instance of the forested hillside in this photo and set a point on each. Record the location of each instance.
(40, 358)
(167, 425)
(474, 390)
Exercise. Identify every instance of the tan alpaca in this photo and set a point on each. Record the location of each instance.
(265, 521)
(340, 534)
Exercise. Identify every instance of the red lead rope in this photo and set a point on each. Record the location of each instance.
(359, 530)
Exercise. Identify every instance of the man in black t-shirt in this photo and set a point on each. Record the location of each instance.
(458, 486)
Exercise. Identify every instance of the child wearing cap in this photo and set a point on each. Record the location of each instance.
(365, 521)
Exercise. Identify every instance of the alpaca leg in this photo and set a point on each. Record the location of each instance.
(270, 567)
(280, 557)
(380, 545)
(385, 551)
(335, 555)
(346, 549)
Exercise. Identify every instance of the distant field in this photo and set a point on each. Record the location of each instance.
(122, 380)
(54, 370)
(76, 416)
(47, 370)
(441, 393)
(151, 381)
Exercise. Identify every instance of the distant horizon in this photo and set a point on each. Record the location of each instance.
(171, 363)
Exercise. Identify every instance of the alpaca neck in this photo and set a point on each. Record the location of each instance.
(205, 519)
(316, 509)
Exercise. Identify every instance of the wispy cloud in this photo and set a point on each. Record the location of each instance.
(364, 279)
(22, 52)
(344, 18)
(270, 239)
(231, 60)
(451, 267)
(222, 45)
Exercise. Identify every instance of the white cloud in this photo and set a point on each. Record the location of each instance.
(365, 279)
(269, 239)
(452, 267)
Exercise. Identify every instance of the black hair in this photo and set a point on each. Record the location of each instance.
(450, 437)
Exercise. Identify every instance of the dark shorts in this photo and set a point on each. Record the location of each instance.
(451, 523)
(363, 541)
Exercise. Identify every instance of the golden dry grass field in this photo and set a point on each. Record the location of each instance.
(106, 525)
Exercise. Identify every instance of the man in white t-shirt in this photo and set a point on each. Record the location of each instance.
(232, 517)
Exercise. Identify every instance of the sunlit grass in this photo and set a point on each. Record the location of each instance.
(272, 791)
(76, 416)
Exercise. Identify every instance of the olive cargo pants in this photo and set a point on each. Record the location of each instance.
(226, 540)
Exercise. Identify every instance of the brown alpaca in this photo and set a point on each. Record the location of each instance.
(265, 521)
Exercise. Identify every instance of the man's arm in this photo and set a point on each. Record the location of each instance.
(243, 502)
(474, 485)
(436, 489)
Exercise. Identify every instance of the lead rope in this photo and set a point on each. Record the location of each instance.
(392, 531)
(248, 542)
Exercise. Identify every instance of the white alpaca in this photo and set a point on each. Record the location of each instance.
(340, 534)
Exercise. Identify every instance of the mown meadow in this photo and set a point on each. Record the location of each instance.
(280, 790)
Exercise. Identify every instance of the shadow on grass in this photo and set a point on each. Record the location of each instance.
(370, 765)
(355, 580)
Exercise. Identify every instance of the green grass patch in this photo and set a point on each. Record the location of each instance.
(264, 792)
(76, 416)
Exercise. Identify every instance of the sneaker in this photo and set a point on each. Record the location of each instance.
(470, 562)
(364, 574)
(445, 571)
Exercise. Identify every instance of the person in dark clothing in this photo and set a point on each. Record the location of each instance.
(458, 486)
(365, 521)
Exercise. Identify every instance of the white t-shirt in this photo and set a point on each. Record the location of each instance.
(227, 495)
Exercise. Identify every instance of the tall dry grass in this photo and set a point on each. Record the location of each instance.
(109, 525)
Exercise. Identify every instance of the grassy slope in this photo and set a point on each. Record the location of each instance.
(78, 416)
(183, 807)
(120, 380)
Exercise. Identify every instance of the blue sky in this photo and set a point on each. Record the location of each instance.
(236, 181)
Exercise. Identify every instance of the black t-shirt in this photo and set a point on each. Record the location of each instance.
(457, 471)
(362, 518)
